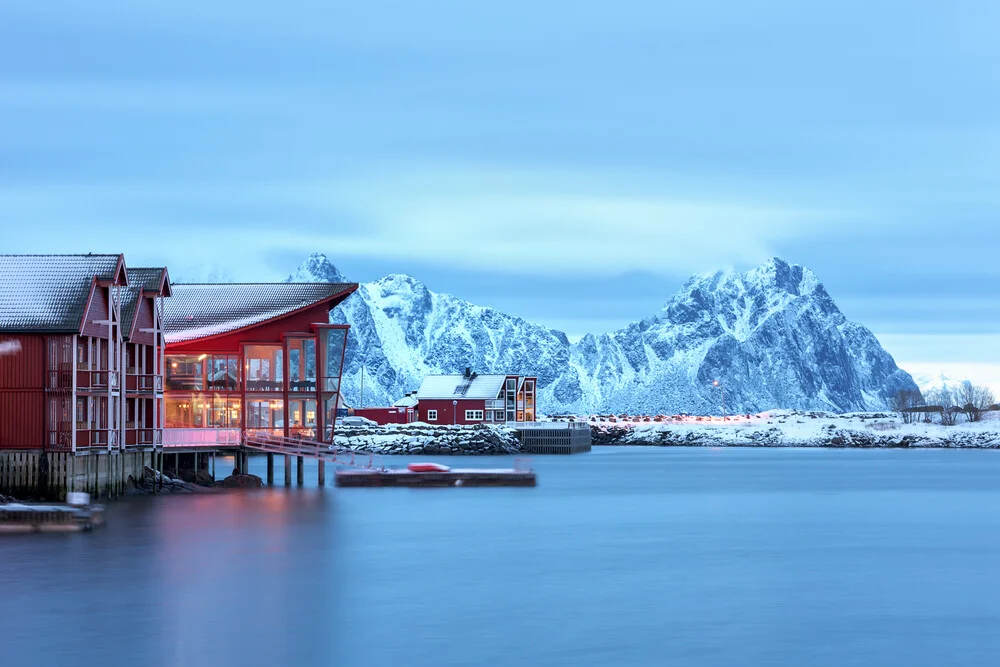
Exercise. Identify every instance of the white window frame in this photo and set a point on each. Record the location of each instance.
(432, 415)
(473, 415)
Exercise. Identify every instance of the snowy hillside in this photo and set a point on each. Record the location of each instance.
(772, 336)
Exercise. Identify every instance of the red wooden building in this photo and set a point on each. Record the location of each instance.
(477, 399)
(77, 404)
(252, 357)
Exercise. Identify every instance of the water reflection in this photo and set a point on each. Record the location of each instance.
(619, 557)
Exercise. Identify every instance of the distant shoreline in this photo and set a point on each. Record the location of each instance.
(801, 429)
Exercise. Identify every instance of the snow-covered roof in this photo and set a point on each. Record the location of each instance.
(49, 293)
(408, 401)
(209, 309)
(459, 386)
(139, 280)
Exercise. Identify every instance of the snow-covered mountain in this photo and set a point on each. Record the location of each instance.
(771, 336)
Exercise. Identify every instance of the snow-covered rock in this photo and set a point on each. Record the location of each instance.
(799, 429)
(425, 439)
(772, 336)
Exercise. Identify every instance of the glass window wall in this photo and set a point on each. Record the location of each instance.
(302, 364)
(263, 368)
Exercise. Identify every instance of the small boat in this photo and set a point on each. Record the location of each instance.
(427, 467)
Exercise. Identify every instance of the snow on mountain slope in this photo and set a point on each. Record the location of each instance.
(772, 336)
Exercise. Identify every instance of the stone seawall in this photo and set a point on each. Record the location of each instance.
(409, 439)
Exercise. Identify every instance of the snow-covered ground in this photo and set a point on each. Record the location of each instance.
(800, 429)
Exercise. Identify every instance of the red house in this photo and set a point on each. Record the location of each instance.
(252, 358)
(142, 339)
(64, 380)
(477, 399)
(102, 366)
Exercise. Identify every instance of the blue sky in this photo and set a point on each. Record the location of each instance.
(570, 162)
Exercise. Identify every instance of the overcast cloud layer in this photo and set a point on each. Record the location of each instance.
(570, 162)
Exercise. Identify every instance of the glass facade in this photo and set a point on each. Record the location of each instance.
(266, 414)
(264, 367)
(302, 364)
(281, 388)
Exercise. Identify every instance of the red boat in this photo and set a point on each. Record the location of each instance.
(427, 467)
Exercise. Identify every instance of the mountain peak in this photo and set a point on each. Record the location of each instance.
(316, 269)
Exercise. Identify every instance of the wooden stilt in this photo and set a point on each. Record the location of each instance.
(288, 470)
(321, 472)
(300, 470)
(270, 469)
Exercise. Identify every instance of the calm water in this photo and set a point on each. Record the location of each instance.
(619, 557)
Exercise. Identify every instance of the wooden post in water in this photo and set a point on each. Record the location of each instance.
(270, 469)
(300, 470)
(288, 470)
(321, 474)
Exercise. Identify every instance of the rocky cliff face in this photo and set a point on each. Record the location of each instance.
(772, 336)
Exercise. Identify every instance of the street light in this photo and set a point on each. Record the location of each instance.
(454, 413)
(723, 391)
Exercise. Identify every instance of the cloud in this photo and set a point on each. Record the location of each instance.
(539, 222)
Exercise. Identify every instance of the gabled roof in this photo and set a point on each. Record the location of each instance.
(212, 309)
(50, 293)
(458, 387)
(151, 281)
(408, 401)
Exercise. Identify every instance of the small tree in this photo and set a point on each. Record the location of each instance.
(905, 402)
(945, 400)
(975, 400)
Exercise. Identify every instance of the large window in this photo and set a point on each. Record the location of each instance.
(302, 364)
(529, 400)
(302, 417)
(263, 368)
(223, 372)
(333, 341)
(473, 415)
(185, 372)
(266, 414)
(202, 411)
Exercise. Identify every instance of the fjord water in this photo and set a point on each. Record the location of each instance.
(623, 556)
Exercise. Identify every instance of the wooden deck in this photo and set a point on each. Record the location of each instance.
(16, 518)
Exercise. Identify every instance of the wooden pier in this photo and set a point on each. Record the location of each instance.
(457, 477)
(15, 518)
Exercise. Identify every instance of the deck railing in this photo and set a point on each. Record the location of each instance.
(201, 437)
(97, 379)
(143, 382)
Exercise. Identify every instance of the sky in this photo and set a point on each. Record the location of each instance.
(571, 162)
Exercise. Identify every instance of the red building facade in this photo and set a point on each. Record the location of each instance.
(65, 384)
(255, 357)
(477, 399)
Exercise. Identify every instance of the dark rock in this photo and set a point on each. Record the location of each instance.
(238, 481)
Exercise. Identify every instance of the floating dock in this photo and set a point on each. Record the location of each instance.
(455, 477)
(16, 518)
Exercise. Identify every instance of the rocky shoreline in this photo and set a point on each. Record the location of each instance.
(421, 440)
(154, 482)
(799, 430)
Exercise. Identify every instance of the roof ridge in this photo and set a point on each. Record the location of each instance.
(252, 283)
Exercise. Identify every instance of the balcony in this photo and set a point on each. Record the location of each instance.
(145, 383)
(96, 380)
(201, 437)
(97, 438)
(143, 437)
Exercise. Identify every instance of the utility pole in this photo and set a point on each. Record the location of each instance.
(723, 391)
(362, 387)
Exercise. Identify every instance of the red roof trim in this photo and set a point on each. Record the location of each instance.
(86, 306)
(121, 275)
(338, 297)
